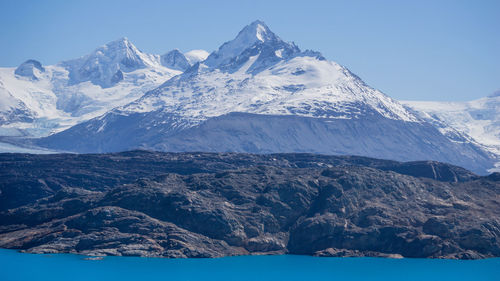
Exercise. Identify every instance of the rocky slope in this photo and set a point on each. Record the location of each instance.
(217, 204)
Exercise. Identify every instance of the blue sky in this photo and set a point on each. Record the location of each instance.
(411, 50)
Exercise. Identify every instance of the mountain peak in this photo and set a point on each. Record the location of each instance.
(120, 43)
(195, 56)
(119, 47)
(105, 65)
(121, 40)
(253, 39)
(256, 31)
(175, 60)
(30, 68)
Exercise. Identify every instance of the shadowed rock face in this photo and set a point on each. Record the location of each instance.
(30, 69)
(254, 133)
(218, 204)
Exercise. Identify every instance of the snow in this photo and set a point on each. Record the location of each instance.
(30, 68)
(100, 66)
(247, 37)
(56, 102)
(324, 90)
(261, 32)
(247, 65)
(479, 119)
(259, 73)
(195, 56)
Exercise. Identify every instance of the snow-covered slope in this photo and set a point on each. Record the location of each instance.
(258, 93)
(38, 100)
(479, 119)
(259, 73)
(107, 64)
(304, 86)
(195, 56)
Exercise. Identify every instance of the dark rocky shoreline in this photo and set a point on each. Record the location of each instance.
(182, 205)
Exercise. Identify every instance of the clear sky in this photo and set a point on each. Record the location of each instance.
(411, 50)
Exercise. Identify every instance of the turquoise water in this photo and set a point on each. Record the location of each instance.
(18, 266)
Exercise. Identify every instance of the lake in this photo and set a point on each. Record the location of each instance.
(19, 266)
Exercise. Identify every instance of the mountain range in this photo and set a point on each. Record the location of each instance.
(40, 100)
(256, 93)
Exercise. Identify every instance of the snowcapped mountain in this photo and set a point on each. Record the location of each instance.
(258, 93)
(31, 69)
(195, 56)
(259, 73)
(106, 65)
(38, 100)
(479, 119)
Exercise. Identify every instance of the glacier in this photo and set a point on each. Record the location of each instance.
(37, 101)
(478, 119)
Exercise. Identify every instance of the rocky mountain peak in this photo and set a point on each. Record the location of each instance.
(250, 41)
(30, 68)
(175, 60)
(257, 30)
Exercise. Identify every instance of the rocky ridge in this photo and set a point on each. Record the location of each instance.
(218, 204)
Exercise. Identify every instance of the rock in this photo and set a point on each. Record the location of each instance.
(31, 69)
(175, 60)
(182, 205)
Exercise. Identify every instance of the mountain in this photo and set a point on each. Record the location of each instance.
(255, 47)
(31, 69)
(37, 100)
(179, 61)
(195, 56)
(258, 93)
(175, 60)
(106, 65)
(181, 205)
(479, 119)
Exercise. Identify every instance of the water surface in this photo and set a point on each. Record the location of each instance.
(19, 266)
